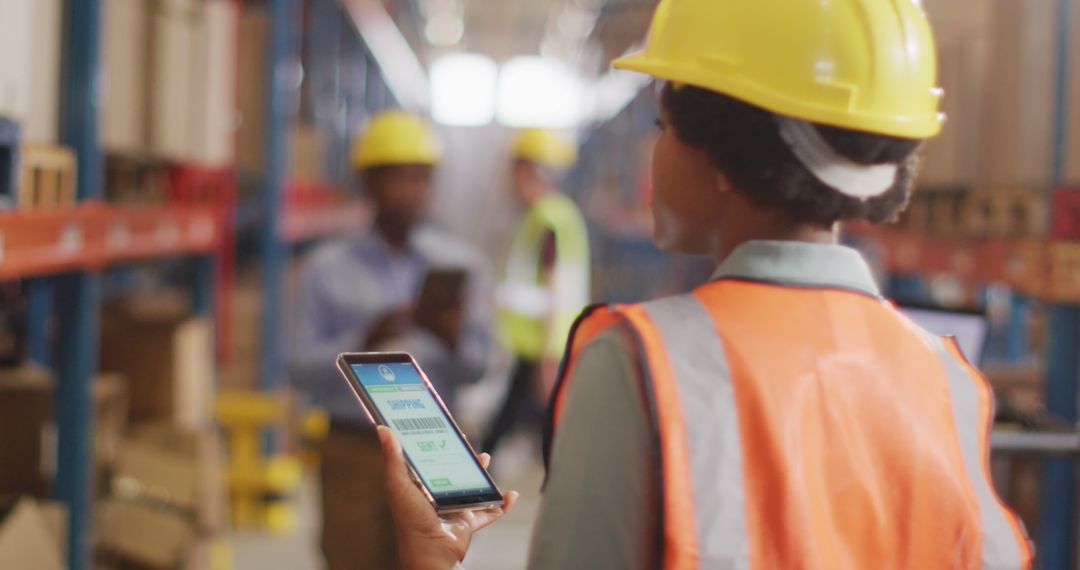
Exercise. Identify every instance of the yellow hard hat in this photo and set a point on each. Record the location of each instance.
(544, 148)
(396, 137)
(865, 65)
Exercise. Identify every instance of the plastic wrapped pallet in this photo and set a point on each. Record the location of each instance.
(172, 73)
(43, 110)
(213, 89)
(1072, 159)
(125, 63)
(961, 28)
(30, 66)
(1020, 92)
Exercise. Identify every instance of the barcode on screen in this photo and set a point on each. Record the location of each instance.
(408, 424)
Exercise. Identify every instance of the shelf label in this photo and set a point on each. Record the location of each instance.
(119, 236)
(167, 234)
(202, 229)
(71, 239)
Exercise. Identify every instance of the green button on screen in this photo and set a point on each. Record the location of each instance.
(374, 389)
(440, 482)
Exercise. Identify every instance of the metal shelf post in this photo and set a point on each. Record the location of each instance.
(39, 315)
(1057, 524)
(79, 293)
(280, 107)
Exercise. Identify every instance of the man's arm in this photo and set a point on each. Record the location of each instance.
(314, 348)
(599, 508)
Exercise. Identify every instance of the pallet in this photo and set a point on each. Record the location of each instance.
(46, 177)
(135, 181)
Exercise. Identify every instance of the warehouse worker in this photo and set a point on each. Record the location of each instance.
(546, 280)
(783, 415)
(357, 294)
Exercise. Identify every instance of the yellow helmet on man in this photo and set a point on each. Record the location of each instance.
(864, 65)
(395, 138)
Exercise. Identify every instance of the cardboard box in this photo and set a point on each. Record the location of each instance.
(251, 87)
(134, 181)
(214, 84)
(308, 154)
(1065, 272)
(125, 78)
(110, 417)
(242, 369)
(32, 534)
(26, 431)
(46, 177)
(167, 357)
(151, 536)
(178, 468)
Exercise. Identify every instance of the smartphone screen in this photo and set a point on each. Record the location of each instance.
(434, 447)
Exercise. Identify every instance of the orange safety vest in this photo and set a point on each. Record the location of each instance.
(811, 428)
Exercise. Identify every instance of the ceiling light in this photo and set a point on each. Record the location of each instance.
(539, 92)
(463, 89)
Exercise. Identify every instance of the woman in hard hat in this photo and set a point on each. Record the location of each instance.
(783, 415)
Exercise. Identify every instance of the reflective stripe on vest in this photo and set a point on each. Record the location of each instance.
(534, 318)
(787, 441)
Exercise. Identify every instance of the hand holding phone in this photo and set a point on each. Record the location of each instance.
(394, 392)
(427, 539)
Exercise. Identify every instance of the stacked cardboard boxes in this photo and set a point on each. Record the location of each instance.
(167, 496)
(167, 356)
(165, 500)
(33, 534)
(27, 432)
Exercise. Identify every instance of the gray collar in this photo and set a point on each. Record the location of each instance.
(800, 264)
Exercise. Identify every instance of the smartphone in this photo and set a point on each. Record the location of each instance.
(442, 289)
(395, 392)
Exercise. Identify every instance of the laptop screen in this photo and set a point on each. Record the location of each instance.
(970, 329)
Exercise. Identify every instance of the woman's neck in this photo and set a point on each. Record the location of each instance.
(805, 233)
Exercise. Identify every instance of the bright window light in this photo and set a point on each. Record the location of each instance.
(463, 90)
(539, 92)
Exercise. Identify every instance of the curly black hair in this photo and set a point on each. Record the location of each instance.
(743, 141)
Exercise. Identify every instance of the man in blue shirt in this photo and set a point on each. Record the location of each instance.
(359, 294)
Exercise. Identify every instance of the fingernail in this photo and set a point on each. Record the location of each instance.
(382, 432)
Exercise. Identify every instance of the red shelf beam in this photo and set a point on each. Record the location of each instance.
(92, 236)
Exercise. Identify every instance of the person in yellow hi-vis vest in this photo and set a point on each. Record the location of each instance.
(546, 280)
